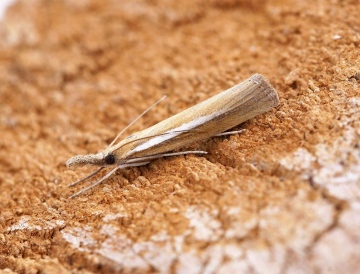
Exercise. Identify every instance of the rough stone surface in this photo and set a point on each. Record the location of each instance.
(283, 197)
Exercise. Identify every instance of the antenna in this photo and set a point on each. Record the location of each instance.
(133, 122)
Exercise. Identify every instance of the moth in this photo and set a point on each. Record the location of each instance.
(212, 117)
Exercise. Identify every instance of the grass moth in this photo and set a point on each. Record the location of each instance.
(211, 117)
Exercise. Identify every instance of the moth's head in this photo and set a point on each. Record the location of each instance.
(100, 159)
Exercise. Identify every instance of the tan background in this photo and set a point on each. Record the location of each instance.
(281, 198)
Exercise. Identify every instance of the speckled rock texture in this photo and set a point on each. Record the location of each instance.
(282, 197)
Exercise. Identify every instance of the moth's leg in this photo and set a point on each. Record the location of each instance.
(157, 156)
(183, 153)
(87, 177)
(230, 132)
(135, 164)
(107, 176)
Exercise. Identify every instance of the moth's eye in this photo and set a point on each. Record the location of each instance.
(109, 159)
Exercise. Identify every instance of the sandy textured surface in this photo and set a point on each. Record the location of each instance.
(283, 197)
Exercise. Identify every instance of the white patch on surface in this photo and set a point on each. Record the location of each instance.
(189, 263)
(121, 253)
(158, 253)
(267, 260)
(233, 251)
(214, 256)
(4, 4)
(108, 230)
(233, 267)
(301, 161)
(354, 101)
(79, 238)
(111, 217)
(163, 252)
(205, 226)
(168, 135)
(241, 225)
(339, 165)
(296, 222)
(24, 224)
(345, 247)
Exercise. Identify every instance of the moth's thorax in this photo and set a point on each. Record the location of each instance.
(89, 159)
